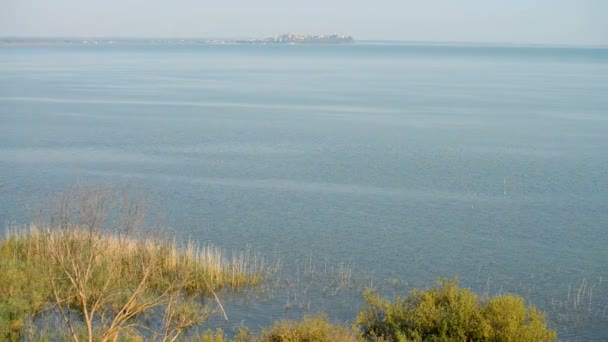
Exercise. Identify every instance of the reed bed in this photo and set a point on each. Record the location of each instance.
(206, 268)
(108, 280)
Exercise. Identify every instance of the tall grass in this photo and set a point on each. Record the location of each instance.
(87, 265)
(103, 276)
(206, 267)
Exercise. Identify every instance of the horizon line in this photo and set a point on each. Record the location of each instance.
(355, 40)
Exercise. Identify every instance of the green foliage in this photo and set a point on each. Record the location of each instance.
(109, 281)
(243, 335)
(23, 289)
(448, 313)
(508, 319)
(213, 336)
(310, 329)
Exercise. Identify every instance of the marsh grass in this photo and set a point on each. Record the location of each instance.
(302, 282)
(106, 281)
(581, 304)
(206, 267)
(91, 265)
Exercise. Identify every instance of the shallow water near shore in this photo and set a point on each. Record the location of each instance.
(357, 165)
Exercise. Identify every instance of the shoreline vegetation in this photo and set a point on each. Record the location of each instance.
(90, 274)
(100, 284)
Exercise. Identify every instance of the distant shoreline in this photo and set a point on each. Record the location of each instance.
(310, 40)
(84, 41)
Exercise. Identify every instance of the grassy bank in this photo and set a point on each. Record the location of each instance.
(101, 284)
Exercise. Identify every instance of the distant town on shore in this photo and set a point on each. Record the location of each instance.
(289, 38)
(302, 39)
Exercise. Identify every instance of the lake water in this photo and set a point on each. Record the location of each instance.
(358, 165)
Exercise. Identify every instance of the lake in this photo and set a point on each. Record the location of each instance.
(384, 165)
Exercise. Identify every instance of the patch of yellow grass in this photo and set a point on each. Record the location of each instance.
(110, 279)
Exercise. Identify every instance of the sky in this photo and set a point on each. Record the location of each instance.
(577, 22)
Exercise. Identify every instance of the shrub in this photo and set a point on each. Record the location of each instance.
(243, 335)
(310, 329)
(508, 319)
(448, 313)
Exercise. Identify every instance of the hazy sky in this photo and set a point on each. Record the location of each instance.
(512, 21)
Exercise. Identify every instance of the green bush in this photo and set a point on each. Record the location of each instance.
(310, 329)
(242, 335)
(448, 313)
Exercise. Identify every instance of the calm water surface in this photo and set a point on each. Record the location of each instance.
(382, 165)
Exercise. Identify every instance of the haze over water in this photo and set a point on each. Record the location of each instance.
(405, 162)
